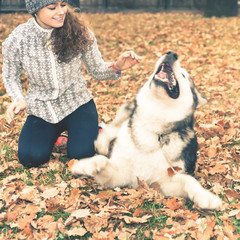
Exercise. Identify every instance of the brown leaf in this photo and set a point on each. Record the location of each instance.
(208, 231)
(50, 193)
(28, 193)
(170, 172)
(177, 169)
(232, 193)
(75, 192)
(53, 205)
(233, 213)
(130, 220)
(218, 168)
(106, 194)
(77, 231)
(228, 230)
(80, 213)
(95, 224)
(32, 210)
(12, 216)
(24, 224)
(70, 163)
(45, 221)
(212, 152)
(156, 186)
(139, 212)
(142, 184)
(173, 204)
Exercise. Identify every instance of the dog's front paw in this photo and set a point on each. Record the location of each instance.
(207, 200)
(78, 167)
(72, 166)
(88, 166)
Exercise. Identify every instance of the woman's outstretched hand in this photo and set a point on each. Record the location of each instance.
(15, 108)
(126, 60)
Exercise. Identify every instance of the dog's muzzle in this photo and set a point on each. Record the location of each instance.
(165, 76)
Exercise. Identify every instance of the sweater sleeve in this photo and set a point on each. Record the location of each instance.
(96, 66)
(11, 69)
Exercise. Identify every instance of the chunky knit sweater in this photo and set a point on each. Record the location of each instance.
(55, 89)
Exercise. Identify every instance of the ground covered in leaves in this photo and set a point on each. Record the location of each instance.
(48, 203)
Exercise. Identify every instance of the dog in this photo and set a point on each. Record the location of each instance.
(152, 138)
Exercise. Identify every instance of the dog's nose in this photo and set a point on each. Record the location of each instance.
(170, 53)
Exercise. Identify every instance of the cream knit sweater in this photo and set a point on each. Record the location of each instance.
(55, 89)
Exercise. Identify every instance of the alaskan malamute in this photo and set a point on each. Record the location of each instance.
(152, 138)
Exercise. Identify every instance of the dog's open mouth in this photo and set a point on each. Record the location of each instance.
(166, 77)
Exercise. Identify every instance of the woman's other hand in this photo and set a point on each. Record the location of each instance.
(15, 108)
(126, 60)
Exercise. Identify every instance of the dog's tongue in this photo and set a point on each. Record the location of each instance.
(162, 75)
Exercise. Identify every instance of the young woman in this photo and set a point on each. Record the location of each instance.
(49, 48)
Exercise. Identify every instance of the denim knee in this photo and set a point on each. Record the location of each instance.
(32, 158)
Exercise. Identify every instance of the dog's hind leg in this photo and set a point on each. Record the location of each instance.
(183, 185)
(123, 113)
(110, 132)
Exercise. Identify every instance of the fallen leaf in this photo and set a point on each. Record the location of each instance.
(94, 223)
(77, 231)
(232, 193)
(212, 152)
(173, 204)
(234, 213)
(80, 213)
(50, 193)
(218, 168)
(130, 220)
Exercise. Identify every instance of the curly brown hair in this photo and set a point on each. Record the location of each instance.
(71, 39)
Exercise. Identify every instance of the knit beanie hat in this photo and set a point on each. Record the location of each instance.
(35, 5)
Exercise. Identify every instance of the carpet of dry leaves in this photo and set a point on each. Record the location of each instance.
(48, 203)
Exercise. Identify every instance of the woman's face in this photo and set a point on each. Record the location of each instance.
(52, 16)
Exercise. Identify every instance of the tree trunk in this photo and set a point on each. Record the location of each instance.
(199, 4)
(129, 4)
(220, 8)
(75, 3)
(166, 4)
(106, 4)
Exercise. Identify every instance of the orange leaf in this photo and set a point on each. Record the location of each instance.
(74, 194)
(24, 224)
(170, 172)
(138, 212)
(212, 152)
(218, 168)
(77, 231)
(232, 193)
(70, 164)
(173, 204)
(208, 231)
(177, 169)
(130, 220)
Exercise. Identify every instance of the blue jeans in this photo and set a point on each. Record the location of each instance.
(37, 137)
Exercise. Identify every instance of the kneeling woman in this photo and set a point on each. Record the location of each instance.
(49, 48)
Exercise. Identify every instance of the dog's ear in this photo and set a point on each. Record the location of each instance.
(201, 100)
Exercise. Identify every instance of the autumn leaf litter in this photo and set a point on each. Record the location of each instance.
(48, 203)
